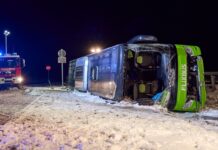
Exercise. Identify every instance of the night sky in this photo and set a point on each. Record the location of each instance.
(39, 29)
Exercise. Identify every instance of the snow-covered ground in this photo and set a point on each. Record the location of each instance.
(61, 119)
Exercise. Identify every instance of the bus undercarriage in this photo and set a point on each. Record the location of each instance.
(149, 73)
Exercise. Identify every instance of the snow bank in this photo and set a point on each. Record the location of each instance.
(209, 113)
(87, 97)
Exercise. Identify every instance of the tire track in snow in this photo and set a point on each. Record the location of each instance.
(17, 114)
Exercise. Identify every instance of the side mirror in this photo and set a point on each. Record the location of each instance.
(23, 63)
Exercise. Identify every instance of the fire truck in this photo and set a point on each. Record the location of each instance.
(10, 70)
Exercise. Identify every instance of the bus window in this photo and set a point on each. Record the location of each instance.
(94, 72)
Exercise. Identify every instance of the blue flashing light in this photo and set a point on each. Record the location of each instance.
(0, 54)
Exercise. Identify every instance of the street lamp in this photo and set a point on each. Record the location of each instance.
(6, 33)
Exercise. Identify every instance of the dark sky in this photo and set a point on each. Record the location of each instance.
(39, 28)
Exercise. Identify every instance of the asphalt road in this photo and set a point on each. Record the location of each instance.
(11, 102)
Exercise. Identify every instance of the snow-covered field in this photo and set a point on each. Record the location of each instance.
(59, 119)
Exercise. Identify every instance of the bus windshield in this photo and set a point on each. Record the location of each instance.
(9, 62)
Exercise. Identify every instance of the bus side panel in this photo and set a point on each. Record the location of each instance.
(182, 78)
(104, 73)
(93, 73)
(120, 73)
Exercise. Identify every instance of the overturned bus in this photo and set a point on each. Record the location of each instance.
(145, 71)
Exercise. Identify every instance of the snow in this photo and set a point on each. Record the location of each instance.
(210, 113)
(63, 119)
(87, 97)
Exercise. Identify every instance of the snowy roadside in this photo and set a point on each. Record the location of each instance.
(74, 120)
(11, 102)
(205, 117)
(87, 97)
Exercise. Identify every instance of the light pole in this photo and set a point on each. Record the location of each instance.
(6, 33)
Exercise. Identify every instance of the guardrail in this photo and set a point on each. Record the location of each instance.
(211, 79)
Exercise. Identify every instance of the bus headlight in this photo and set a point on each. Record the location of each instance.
(20, 79)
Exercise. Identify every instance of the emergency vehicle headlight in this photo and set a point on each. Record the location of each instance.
(20, 79)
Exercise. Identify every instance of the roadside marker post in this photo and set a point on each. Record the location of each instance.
(62, 60)
(48, 68)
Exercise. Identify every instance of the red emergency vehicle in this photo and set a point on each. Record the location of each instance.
(10, 70)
